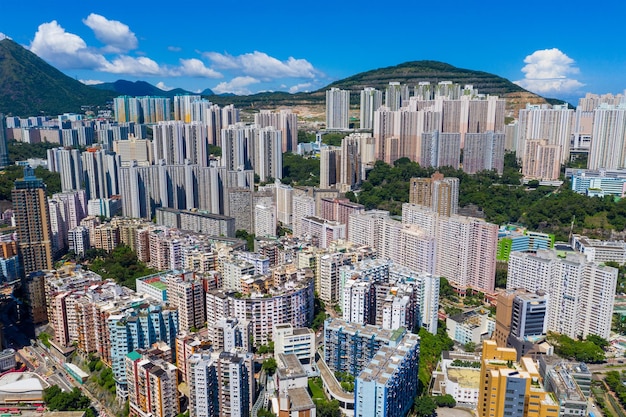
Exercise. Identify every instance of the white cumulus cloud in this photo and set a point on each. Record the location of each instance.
(63, 49)
(91, 82)
(300, 87)
(549, 71)
(260, 64)
(164, 87)
(195, 68)
(116, 35)
(3, 36)
(125, 64)
(237, 85)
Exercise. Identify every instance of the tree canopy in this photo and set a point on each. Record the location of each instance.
(57, 400)
(502, 198)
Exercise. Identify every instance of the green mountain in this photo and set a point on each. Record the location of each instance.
(30, 86)
(413, 72)
(142, 88)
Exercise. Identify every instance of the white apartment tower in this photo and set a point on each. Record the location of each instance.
(608, 143)
(371, 100)
(303, 206)
(337, 109)
(268, 157)
(552, 123)
(581, 293)
(286, 122)
(265, 220)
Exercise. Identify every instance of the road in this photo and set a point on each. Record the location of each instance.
(56, 375)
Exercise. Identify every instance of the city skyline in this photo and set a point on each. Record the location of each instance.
(195, 47)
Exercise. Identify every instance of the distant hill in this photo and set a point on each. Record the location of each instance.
(143, 88)
(30, 86)
(409, 73)
(413, 72)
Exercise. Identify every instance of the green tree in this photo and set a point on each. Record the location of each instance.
(469, 347)
(424, 406)
(446, 400)
(269, 366)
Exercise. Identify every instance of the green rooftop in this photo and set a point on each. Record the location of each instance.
(133, 355)
(160, 285)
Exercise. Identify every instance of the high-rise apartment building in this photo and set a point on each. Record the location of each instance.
(350, 162)
(581, 293)
(183, 106)
(371, 100)
(544, 122)
(483, 151)
(437, 192)
(541, 160)
(67, 163)
(337, 109)
(608, 144)
(507, 386)
(152, 386)
(186, 293)
(520, 317)
(221, 384)
(32, 218)
(265, 220)
(467, 246)
(387, 386)
(303, 206)
(394, 93)
(4, 151)
(286, 122)
(330, 157)
(268, 157)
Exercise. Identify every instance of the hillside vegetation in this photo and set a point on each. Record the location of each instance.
(30, 86)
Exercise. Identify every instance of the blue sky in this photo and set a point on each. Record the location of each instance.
(553, 48)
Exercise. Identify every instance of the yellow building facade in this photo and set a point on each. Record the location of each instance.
(509, 388)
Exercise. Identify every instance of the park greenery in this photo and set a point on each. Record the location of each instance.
(465, 364)
(120, 265)
(589, 350)
(298, 170)
(346, 380)
(431, 347)
(21, 151)
(248, 237)
(58, 400)
(319, 311)
(15, 172)
(270, 365)
(103, 374)
(615, 382)
(502, 199)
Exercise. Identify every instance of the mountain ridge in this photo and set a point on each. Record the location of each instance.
(30, 86)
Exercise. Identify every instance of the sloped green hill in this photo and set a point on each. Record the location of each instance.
(30, 86)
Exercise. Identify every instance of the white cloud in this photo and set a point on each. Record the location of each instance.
(237, 85)
(164, 87)
(549, 71)
(260, 64)
(91, 82)
(3, 36)
(125, 64)
(114, 34)
(300, 87)
(174, 48)
(63, 49)
(195, 68)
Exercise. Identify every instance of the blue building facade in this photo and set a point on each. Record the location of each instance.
(139, 327)
(389, 383)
